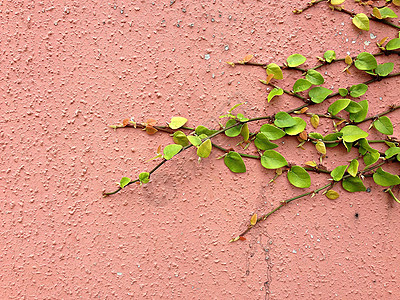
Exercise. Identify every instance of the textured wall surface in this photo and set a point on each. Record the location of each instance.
(70, 68)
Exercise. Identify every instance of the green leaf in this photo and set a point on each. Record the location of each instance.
(365, 145)
(358, 90)
(391, 152)
(348, 145)
(272, 132)
(295, 60)
(365, 61)
(353, 107)
(205, 149)
(384, 69)
(361, 115)
(338, 172)
(329, 56)
(353, 184)
(393, 44)
(272, 160)
(234, 162)
(315, 135)
(275, 70)
(352, 133)
(361, 21)
(299, 177)
(144, 177)
(385, 178)
(235, 106)
(314, 77)
(274, 92)
(234, 131)
(332, 137)
(343, 92)
(171, 150)
(296, 129)
(177, 122)
(370, 158)
(204, 130)
(194, 140)
(263, 143)
(301, 85)
(319, 94)
(386, 12)
(338, 106)
(124, 181)
(384, 125)
(241, 118)
(283, 119)
(180, 138)
(245, 133)
(353, 168)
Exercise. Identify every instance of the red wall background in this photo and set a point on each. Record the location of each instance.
(70, 68)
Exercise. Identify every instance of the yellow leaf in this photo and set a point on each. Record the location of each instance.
(314, 121)
(337, 2)
(269, 78)
(278, 171)
(396, 2)
(320, 146)
(204, 149)
(348, 60)
(331, 194)
(253, 220)
(234, 239)
(382, 41)
(247, 58)
(303, 110)
(339, 122)
(311, 163)
(230, 63)
(376, 13)
(244, 132)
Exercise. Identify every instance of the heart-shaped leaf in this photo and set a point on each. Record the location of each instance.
(283, 119)
(177, 122)
(171, 150)
(124, 181)
(263, 143)
(353, 184)
(272, 132)
(384, 125)
(338, 172)
(352, 133)
(274, 69)
(299, 177)
(319, 94)
(234, 162)
(297, 128)
(274, 92)
(365, 61)
(204, 149)
(383, 178)
(295, 60)
(361, 21)
(314, 77)
(272, 160)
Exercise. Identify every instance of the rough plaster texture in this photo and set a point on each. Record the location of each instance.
(70, 68)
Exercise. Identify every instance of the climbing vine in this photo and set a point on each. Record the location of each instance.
(346, 110)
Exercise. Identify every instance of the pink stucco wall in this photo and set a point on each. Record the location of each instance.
(70, 68)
